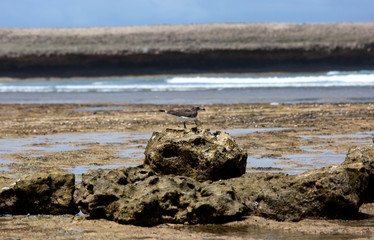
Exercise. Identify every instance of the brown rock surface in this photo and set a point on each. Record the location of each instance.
(138, 196)
(363, 157)
(336, 191)
(40, 193)
(195, 153)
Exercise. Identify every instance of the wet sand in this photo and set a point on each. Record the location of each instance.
(276, 136)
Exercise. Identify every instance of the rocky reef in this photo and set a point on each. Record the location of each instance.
(159, 192)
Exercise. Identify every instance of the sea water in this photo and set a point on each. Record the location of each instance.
(333, 86)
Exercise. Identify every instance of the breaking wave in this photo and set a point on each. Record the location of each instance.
(330, 79)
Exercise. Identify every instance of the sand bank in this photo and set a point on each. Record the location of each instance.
(186, 49)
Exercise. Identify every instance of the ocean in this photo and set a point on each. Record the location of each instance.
(333, 86)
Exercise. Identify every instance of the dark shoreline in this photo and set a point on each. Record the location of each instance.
(188, 49)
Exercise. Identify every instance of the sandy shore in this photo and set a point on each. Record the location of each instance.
(337, 123)
(185, 49)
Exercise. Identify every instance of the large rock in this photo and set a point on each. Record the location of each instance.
(144, 197)
(139, 196)
(40, 193)
(335, 191)
(196, 153)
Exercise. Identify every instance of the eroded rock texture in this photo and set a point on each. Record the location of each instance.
(335, 191)
(40, 193)
(144, 197)
(139, 196)
(195, 153)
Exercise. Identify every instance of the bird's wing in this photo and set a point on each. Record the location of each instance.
(183, 113)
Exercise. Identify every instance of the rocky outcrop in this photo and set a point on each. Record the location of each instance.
(41, 193)
(335, 191)
(195, 153)
(139, 196)
(143, 197)
(146, 195)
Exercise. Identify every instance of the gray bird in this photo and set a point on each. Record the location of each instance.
(184, 114)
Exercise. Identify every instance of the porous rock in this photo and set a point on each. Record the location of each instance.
(335, 191)
(142, 196)
(139, 196)
(363, 158)
(196, 153)
(48, 192)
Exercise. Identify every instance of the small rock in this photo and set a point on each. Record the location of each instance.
(40, 193)
(363, 159)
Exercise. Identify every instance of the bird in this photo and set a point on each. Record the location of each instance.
(184, 113)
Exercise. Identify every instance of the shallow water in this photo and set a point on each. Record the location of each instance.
(65, 142)
(313, 158)
(7, 163)
(40, 145)
(132, 154)
(4, 169)
(349, 136)
(227, 96)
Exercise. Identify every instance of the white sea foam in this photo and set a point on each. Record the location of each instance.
(330, 79)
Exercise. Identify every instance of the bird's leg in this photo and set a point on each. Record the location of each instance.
(197, 123)
(184, 124)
